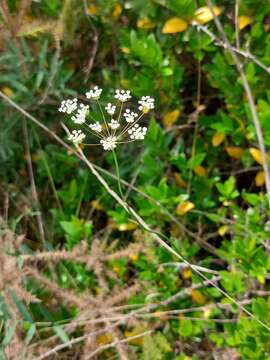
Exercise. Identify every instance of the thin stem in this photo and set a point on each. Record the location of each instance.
(117, 174)
(103, 116)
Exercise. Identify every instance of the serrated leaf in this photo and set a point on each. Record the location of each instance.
(184, 208)
(218, 138)
(235, 152)
(174, 25)
(244, 21)
(204, 14)
(260, 178)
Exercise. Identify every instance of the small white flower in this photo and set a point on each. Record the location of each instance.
(129, 116)
(114, 124)
(110, 109)
(79, 117)
(94, 93)
(68, 106)
(96, 127)
(122, 95)
(137, 132)
(109, 143)
(146, 104)
(76, 136)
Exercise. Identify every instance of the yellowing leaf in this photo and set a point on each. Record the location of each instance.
(218, 138)
(170, 118)
(179, 181)
(96, 205)
(187, 273)
(207, 313)
(125, 50)
(184, 207)
(244, 21)
(136, 331)
(7, 91)
(204, 14)
(257, 155)
(174, 25)
(133, 257)
(104, 339)
(200, 170)
(223, 230)
(235, 152)
(145, 23)
(260, 178)
(92, 10)
(117, 10)
(126, 227)
(198, 297)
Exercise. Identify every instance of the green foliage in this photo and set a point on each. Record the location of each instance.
(58, 50)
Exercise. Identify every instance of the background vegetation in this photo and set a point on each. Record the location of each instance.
(79, 278)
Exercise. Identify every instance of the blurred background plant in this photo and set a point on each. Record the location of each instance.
(79, 279)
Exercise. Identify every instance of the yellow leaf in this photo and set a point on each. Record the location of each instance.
(179, 181)
(117, 10)
(244, 21)
(35, 27)
(257, 155)
(223, 230)
(174, 25)
(184, 207)
(200, 170)
(170, 118)
(204, 14)
(104, 339)
(92, 10)
(126, 227)
(125, 50)
(207, 313)
(133, 257)
(218, 138)
(7, 91)
(260, 178)
(145, 23)
(198, 297)
(136, 331)
(187, 273)
(96, 205)
(235, 152)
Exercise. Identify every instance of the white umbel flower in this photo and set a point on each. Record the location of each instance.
(146, 104)
(79, 117)
(96, 127)
(68, 106)
(76, 136)
(129, 116)
(137, 132)
(94, 93)
(114, 124)
(110, 109)
(109, 143)
(122, 95)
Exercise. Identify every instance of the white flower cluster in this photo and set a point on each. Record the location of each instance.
(68, 106)
(109, 131)
(110, 109)
(109, 143)
(129, 116)
(80, 116)
(122, 95)
(96, 127)
(146, 104)
(137, 132)
(114, 124)
(94, 93)
(76, 136)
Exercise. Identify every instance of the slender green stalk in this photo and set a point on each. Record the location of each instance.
(118, 174)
